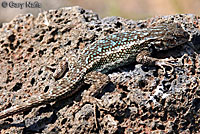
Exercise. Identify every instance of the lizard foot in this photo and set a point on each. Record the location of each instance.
(165, 64)
(97, 81)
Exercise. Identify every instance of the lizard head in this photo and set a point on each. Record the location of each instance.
(172, 35)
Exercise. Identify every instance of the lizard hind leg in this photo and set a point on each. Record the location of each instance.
(62, 69)
(65, 65)
(98, 81)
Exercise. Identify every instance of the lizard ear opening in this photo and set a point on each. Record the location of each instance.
(152, 49)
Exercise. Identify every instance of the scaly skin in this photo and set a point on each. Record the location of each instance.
(111, 52)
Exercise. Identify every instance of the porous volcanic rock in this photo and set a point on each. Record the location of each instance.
(138, 99)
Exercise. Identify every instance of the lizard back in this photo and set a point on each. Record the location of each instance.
(119, 49)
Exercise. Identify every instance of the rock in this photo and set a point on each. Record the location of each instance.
(139, 98)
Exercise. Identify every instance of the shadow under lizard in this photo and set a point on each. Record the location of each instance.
(109, 53)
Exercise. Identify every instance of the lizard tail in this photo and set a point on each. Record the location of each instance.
(33, 102)
(54, 94)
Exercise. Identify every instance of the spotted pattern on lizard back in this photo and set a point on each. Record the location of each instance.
(122, 48)
(111, 52)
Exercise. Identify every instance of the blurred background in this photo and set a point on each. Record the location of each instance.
(131, 9)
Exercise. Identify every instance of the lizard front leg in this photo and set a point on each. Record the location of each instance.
(145, 58)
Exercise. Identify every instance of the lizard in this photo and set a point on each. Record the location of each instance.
(115, 50)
